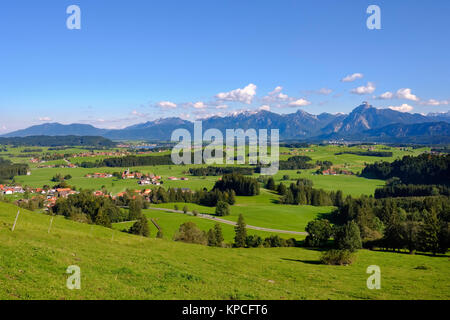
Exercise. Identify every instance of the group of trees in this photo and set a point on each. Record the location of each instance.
(296, 163)
(53, 141)
(135, 161)
(414, 223)
(60, 178)
(241, 185)
(85, 207)
(190, 233)
(140, 226)
(201, 197)
(8, 169)
(218, 171)
(384, 154)
(302, 193)
(423, 169)
(411, 190)
(346, 236)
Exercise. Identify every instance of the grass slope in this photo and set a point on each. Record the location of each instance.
(33, 265)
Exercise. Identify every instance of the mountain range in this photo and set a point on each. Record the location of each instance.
(364, 123)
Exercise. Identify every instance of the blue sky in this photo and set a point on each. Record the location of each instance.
(134, 61)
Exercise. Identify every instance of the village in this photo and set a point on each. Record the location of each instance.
(49, 195)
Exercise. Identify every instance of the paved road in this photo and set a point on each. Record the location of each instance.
(209, 217)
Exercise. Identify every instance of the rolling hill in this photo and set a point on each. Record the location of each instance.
(116, 265)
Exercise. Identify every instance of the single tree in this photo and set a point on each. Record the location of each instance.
(140, 227)
(347, 237)
(222, 209)
(241, 233)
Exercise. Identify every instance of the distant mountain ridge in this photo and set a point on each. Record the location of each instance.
(364, 122)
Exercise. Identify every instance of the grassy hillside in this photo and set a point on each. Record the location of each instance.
(33, 264)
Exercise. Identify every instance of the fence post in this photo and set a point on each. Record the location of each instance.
(15, 221)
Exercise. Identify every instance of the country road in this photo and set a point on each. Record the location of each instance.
(209, 217)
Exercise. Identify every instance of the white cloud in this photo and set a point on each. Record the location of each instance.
(199, 105)
(434, 102)
(300, 103)
(138, 114)
(166, 105)
(265, 108)
(386, 95)
(275, 96)
(276, 90)
(352, 77)
(403, 108)
(45, 119)
(405, 93)
(369, 88)
(222, 106)
(324, 91)
(245, 95)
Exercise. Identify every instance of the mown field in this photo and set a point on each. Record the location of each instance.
(116, 265)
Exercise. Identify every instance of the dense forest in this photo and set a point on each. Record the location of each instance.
(296, 163)
(218, 171)
(411, 190)
(8, 170)
(135, 161)
(385, 154)
(303, 193)
(87, 208)
(242, 186)
(55, 141)
(423, 169)
(201, 197)
(414, 223)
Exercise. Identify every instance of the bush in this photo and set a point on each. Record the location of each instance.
(190, 233)
(319, 231)
(337, 257)
(253, 241)
(185, 209)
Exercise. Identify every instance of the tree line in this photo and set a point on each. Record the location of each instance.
(423, 169)
(241, 185)
(218, 171)
(411, 190)
(415, 223)
(9, 170)
(384, 154)
(54, 141)
(302, 193)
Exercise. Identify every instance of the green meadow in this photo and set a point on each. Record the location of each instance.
(170, 222)
(263, 211)
(115, 265)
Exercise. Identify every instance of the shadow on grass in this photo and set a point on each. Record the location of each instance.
(315, 262)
